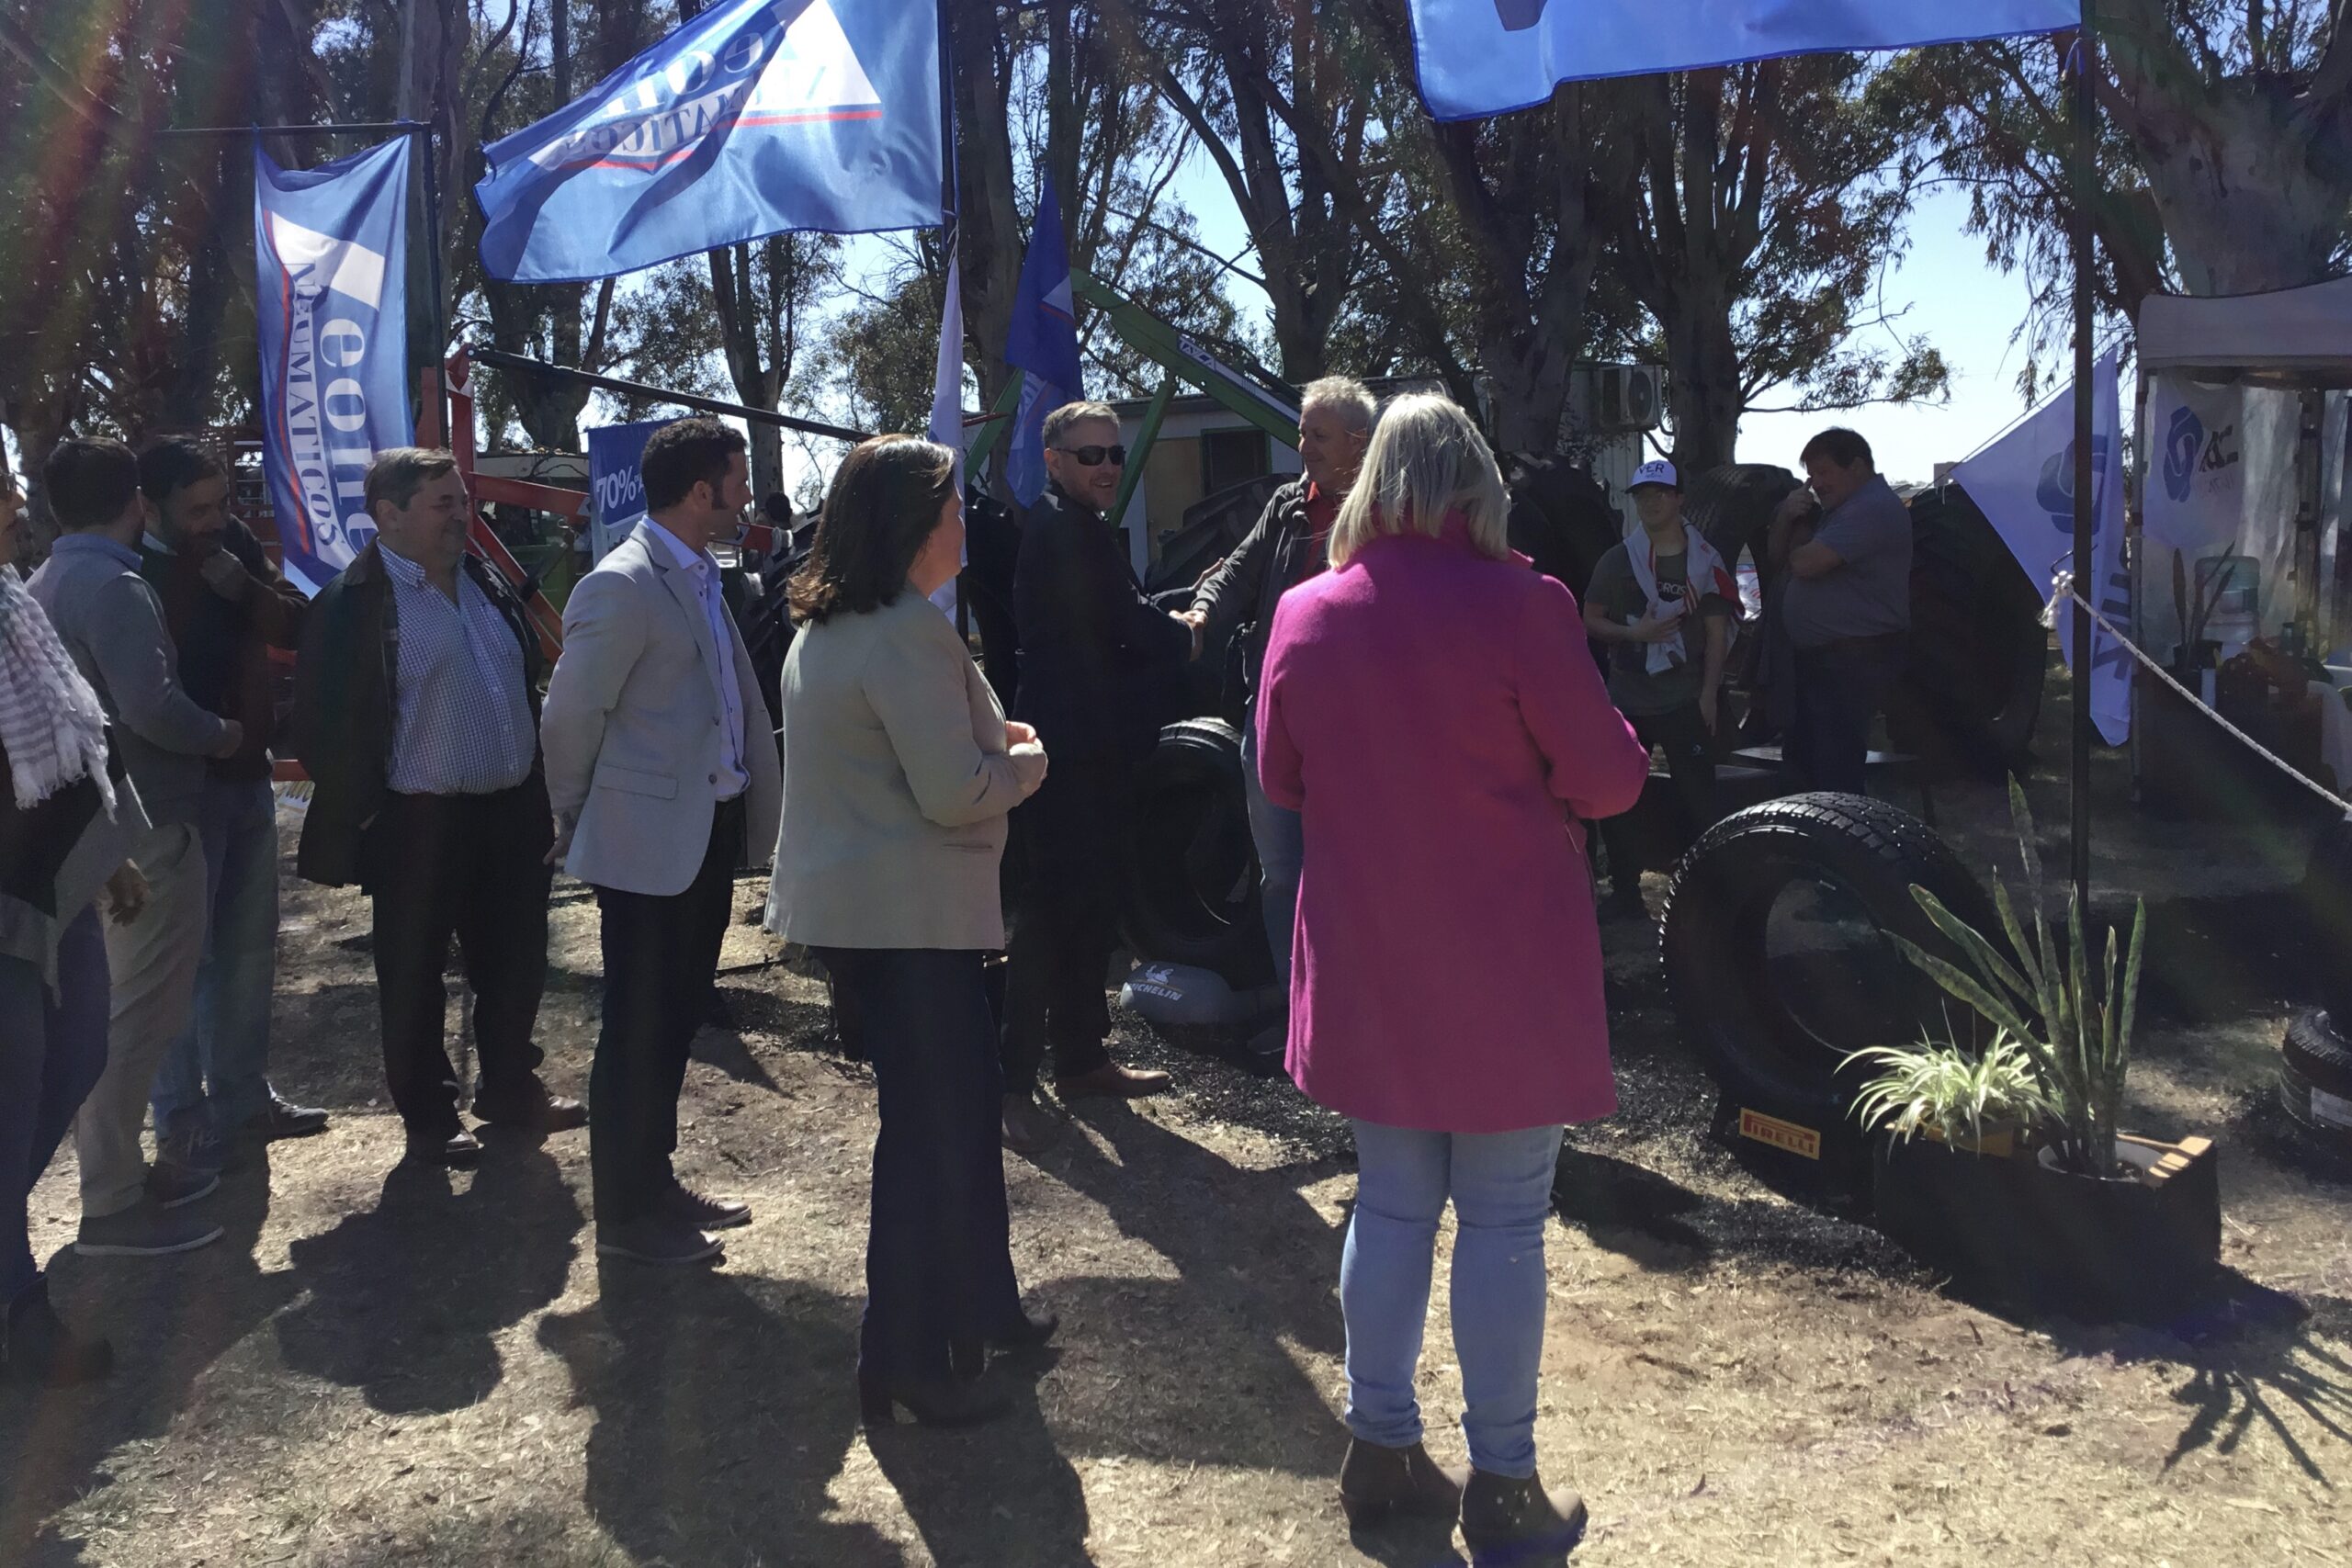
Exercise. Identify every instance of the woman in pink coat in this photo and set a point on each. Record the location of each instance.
(1429, 706)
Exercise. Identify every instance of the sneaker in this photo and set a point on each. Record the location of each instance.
(281, 1118)
(41, 1350)
(687, 1207)
(656, 1240)
(1272, 1044)
(144, 1230)
(173, 1185)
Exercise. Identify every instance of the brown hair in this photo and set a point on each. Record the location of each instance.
(884, 503)
(399, 472)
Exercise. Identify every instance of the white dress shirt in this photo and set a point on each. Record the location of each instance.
(704, 572)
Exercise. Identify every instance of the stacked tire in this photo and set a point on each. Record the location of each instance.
(2315, 1079)
(1194, 892)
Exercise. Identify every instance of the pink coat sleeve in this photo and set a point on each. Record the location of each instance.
(1594, 762)
(1278, 760)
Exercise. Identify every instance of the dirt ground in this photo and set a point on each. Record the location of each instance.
(386, 1365)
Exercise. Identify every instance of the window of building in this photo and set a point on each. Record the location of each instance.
(1229, 457)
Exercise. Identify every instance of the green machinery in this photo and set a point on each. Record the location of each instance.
(1260, 400)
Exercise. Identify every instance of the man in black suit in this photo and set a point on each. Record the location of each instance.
(1100, 671)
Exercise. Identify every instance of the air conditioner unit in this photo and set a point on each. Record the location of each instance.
(1632, 396)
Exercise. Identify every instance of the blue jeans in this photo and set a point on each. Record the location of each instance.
(1501, 1187)
(52, 1047)
(1281, 849)
(226, 1042)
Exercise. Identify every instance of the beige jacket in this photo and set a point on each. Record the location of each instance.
(897, 779)
(630, 728)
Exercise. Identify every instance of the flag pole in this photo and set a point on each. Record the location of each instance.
(420, 148)
(2085, 107)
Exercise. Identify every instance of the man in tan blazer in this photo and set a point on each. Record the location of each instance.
(662, 769)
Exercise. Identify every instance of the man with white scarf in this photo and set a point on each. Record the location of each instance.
(68, 818)
(1662, 603)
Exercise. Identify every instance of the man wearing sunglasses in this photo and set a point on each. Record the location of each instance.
(1100, 671)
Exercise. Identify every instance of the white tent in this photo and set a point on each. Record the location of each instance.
(2293, 337)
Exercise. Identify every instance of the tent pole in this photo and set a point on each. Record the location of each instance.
(2085, 107)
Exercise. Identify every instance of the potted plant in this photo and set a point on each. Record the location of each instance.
(2075, 1216)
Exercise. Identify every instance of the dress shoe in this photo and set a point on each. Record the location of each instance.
(944, 1402)
(1113, 1082)
(42, 1352)
(439, 1147)
(281, 1118)
(968, 1356)
(144, 1230)
(532, 1109)
(656, 1240)
(687, 1207)
(1516, 1521)
(1376, 1482)
(1029, 1128)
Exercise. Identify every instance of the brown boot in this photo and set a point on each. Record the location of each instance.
(1518, 1522)
(1377, 1482)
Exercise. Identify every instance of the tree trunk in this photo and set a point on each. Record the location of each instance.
(1703, 388)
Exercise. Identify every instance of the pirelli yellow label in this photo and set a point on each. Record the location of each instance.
(1779, 1134)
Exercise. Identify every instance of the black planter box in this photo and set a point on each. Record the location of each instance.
(2144, 1248)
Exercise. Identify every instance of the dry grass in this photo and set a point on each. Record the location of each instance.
(385, 1366)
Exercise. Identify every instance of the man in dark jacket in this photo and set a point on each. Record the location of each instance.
(226, 606)
(1100, 669)
(416, 710)
(1288, 546)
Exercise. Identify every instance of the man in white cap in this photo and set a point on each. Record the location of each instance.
(1661, 602)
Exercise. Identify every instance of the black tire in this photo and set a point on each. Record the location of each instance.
(1971, 693)
(2316, 1078)
(1193, 894)
(1732, 505)
(2327, 911)
(1734, 1008)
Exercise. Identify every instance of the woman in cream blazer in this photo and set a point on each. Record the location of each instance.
(898, 771)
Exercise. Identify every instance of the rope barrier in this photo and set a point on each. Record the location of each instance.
(2066, 590)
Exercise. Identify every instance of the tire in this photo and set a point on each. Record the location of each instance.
(1732, 505)
(2316, 1078)
(1731, 1005)
(1971, 694)
(2327, 897)
(1193, 895)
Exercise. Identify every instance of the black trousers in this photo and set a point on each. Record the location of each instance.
(939, 1251)
(475, 866)
(1690, 750)
(660, 961)
(1840, 686)
(1076, 838)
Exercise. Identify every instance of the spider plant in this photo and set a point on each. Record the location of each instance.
(2071, 1014)
(1949, 1089)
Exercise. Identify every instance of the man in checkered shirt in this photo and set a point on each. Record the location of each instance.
(417, 709)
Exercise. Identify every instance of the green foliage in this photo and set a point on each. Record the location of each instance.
(2071, 1011)
(1949, 1087)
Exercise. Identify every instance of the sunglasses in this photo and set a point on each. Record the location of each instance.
(1090, 456)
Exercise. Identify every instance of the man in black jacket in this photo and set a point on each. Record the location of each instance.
(1288, 546)
(416, 709)
(1100, 671)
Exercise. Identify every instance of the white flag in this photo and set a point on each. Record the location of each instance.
(947, 395)
(2024, 483)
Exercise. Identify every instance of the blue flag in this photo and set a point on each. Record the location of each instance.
(1486, 57)
(330, 255)
(1043, 344)
(755, 118)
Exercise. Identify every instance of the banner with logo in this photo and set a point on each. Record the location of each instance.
(2024, 483)
(1485, 57)
(330, 299)
(616, 482)
(754, 118)
(2196, 493)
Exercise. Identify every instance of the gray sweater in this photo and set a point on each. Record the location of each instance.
(112, 623)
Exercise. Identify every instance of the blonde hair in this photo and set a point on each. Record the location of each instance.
(1426, 460)
(1343, 395)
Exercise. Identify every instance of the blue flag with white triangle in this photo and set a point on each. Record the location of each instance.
(756, 118)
